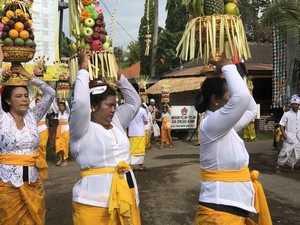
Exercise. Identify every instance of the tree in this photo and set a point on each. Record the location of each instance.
(286, 15)
(133, 55)
(146, 20)
(250, 15)
(168, 38)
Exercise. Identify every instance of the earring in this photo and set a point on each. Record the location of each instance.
(217, 103)
(93, 110)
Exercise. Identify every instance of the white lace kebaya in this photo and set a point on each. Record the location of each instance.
(26, 140)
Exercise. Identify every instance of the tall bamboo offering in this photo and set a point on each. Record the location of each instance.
(216, 25)
(87, 25)
(165, 92)
(142, 83)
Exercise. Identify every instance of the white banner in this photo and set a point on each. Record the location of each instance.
(183, 117)
(45, 24)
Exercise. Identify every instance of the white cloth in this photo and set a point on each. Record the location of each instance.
(63, 117)
(290, 151)
(44, 126)
(223, 149)
(136, 126)
(95, 147)
(25, 141)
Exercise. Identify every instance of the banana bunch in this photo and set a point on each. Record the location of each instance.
(194, 7)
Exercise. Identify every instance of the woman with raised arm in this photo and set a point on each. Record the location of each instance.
(62, 141)
(228, 191)
(107, 191)
(22, 168)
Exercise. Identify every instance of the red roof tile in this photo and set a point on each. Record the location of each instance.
(133, 71)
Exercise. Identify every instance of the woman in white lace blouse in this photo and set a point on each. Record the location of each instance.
(22, 169)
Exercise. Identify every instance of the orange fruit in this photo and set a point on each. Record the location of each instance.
(24, 34)
(13, 34)
(19, 26)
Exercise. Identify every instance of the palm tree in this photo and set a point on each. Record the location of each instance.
(286, 14)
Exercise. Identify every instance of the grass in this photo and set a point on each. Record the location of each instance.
(51, 156)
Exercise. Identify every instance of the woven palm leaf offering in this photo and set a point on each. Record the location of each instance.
(16, 31)
(87, 25)
(218, 29)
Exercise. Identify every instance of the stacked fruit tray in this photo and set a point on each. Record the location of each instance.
(87, 25)
(216, 25)
(16, 32)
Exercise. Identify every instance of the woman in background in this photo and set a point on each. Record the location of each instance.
(62, 142)
(165, 133)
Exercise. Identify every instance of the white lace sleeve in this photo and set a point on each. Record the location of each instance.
(41, 108)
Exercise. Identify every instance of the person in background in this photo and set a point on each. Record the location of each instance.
(227, 193)
(52, 122)
(148, 128)
(107, 191)
(165, 132)
(290, 131)
(276, 117)
(62, 141)
(249, 130)
(201, 117)
(136, 134)
(22, 168)
(43, 131)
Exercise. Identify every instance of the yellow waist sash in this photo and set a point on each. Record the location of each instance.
(42, 123)
(59, 127)
(26, 160)
(165, 123)
(243, 175)
(119, 193)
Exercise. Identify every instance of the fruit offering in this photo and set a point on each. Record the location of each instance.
(87, 25)
(216, 25)
(198, 8)
(16, 32)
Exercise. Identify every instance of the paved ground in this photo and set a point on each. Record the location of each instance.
(169, 191)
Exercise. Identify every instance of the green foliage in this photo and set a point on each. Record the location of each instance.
(66, 50)
(295, 64)
(133, 55)
(250, 15)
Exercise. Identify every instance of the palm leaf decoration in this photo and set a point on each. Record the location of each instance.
(295, 63)
(284, 13)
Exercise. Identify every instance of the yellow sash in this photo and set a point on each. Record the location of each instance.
(120, 193)
(26, 160)
(243, 175)
(43, 122)
(59, 128)
(166, 123)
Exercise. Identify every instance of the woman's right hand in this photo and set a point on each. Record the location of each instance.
(219, 64)
(83, 59)
(17, 67)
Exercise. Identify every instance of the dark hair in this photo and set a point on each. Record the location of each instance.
(6, 94)
(211, 86)
(97, 99)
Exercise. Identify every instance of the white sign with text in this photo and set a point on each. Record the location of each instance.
(183, 117)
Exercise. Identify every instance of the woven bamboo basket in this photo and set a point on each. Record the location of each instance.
(17, 54)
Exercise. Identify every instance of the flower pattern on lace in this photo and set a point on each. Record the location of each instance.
(24, 141)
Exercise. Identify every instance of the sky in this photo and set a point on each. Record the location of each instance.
(128, 17)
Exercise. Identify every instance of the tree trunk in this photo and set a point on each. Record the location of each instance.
(155, 37)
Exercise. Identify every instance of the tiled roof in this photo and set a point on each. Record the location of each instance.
(133, 71)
